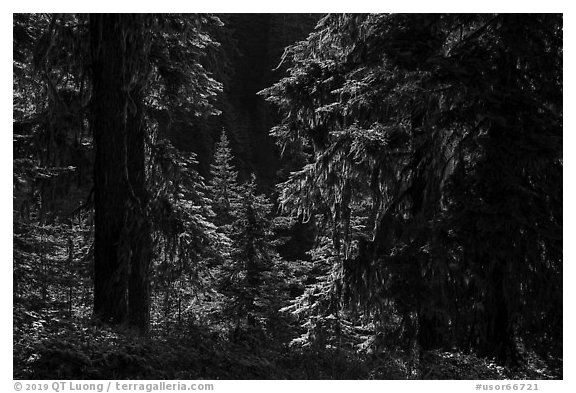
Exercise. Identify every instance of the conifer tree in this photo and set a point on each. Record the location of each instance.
(143, 69)
(253, 255)
(244, 216)
(431, 120)
(223, 186)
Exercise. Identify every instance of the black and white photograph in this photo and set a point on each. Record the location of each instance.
(287, 196)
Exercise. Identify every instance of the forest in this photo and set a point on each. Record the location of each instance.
(287, 196)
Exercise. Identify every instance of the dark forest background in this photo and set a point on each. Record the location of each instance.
(287, 196)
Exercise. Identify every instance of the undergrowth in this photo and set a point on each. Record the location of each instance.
(49, 345)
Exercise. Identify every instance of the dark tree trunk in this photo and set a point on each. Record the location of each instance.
(122, 231)
(110, 186)
(497, 340)
(140, 234)
(428, 335)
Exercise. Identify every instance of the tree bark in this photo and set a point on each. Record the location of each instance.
(122, 245)
(110, 187)
(140, 236)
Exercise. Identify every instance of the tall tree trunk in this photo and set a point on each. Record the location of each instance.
(504, 135)
(140, 236)
(122, 231)
(428, 336)
(497, 341)
(110, 187)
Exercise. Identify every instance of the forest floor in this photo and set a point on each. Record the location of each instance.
(49, 346)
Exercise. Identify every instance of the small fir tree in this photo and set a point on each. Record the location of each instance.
(223, 186)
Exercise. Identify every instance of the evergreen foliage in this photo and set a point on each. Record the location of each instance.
(224, 188)
(400, 110)
(248, 277)
(55, 50)
(252, 282)
(415, 227)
